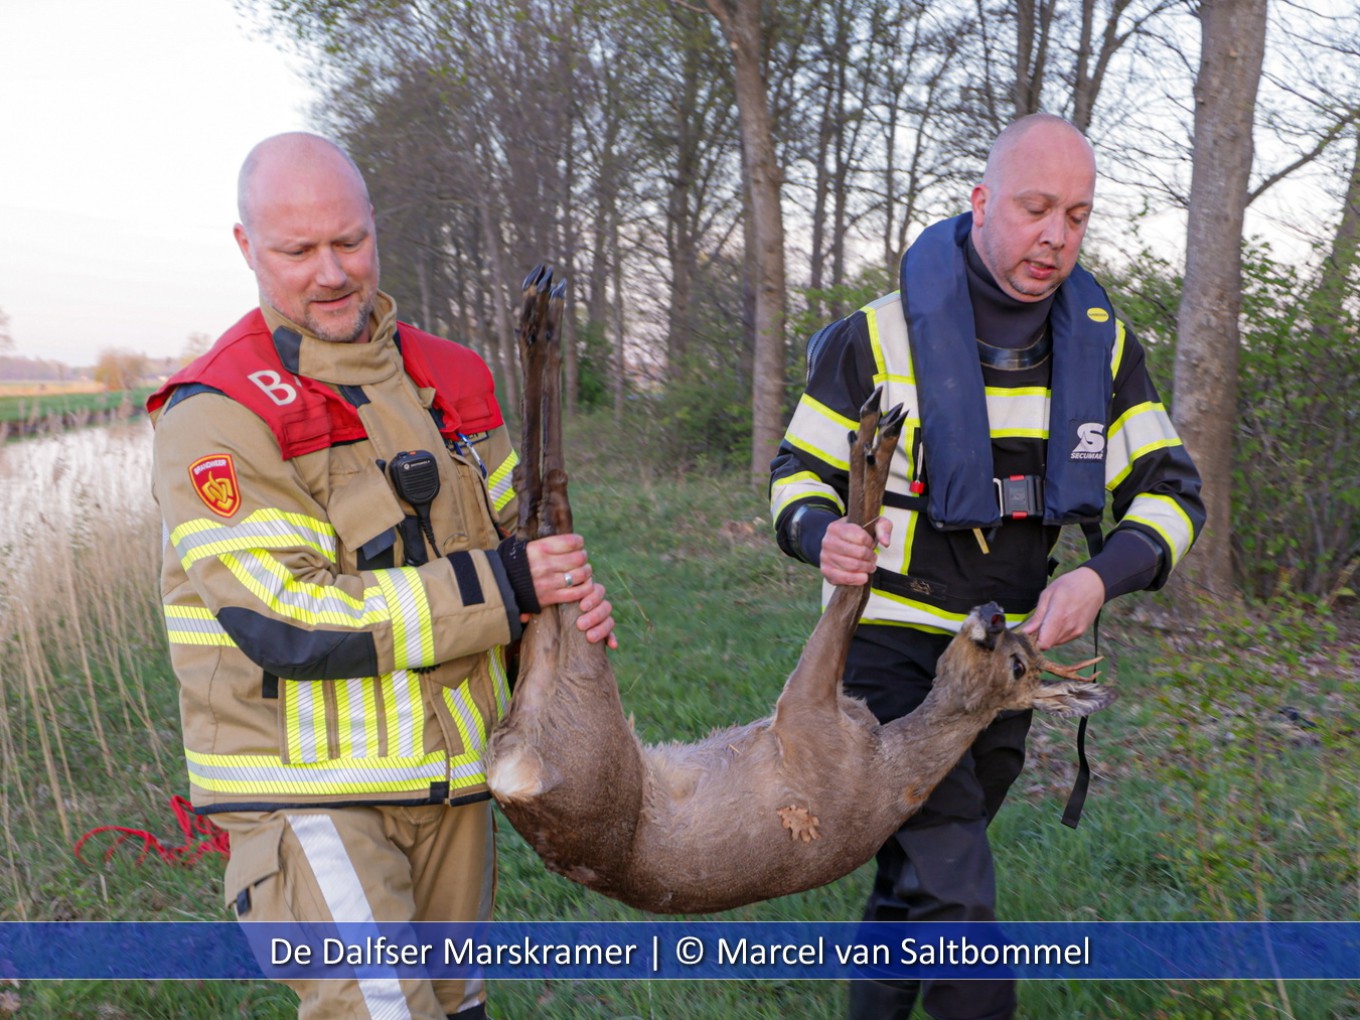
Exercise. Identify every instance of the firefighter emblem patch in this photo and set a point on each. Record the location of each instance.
(214, 478)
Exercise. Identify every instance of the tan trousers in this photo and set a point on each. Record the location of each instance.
(366, 864)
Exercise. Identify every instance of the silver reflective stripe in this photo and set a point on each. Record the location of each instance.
(358, 719)
(471, 726)
(306, 695)
(406, 695)
(408, 610)
(344, 893)
(242, 773)
(310, 603)
(261, 530)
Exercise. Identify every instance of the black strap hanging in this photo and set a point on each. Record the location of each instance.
(1076, 800)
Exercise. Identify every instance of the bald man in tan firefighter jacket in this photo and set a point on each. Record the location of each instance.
(339, 588)
(1026, 402)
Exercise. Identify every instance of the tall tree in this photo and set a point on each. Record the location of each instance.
(741, 22)
(1232, 50)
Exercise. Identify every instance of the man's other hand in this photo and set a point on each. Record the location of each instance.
(1066, 609)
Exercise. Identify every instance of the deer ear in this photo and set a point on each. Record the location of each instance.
(1071, 699)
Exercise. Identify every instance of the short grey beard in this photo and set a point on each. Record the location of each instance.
(311, 326)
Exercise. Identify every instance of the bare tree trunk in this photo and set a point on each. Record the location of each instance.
(508, 362)
(741, 25)
(620, 352)
(1334, 280)
(681, 242)
(1233, 36)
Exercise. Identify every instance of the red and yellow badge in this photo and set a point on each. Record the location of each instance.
(214, 478)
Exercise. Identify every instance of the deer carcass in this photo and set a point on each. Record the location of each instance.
(778, 806)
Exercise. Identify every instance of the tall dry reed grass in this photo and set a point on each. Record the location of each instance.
(85, 688)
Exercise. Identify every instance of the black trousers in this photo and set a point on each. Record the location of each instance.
(938, 866)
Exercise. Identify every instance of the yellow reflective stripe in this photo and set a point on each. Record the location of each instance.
(266, 774)
(356, 709)
(799, 486)
(1140, 430)
(903, 535)
(820, 431)
(199, 538)
(1021, 412)
(272, 584)
(409, 611)
(404, 713)
(468, 768)
(1164, 515)
(886, 608)
(1117, 355)
(875, 343)
(305, 729)
(501, 679)
(499, 483)
(195, 625)
(294, 695)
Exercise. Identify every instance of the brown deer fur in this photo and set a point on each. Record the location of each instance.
(781, 805)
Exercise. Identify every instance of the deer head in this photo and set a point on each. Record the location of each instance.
(989, 669)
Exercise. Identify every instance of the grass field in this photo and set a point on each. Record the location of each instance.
(25, 401)
(1228, 773)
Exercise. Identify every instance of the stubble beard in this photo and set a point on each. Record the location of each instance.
(342, 335)
(1035, 289)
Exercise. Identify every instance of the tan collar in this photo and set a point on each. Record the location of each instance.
(345, 364)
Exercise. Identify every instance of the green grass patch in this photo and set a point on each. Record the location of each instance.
(42, 405)
(1226, 789)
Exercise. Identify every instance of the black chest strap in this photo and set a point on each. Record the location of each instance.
(1076, 800)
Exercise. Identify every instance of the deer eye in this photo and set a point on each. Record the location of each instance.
(1017, 667)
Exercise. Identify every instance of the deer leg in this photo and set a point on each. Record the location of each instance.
(529, 473)
(557, 509)
(816, 681)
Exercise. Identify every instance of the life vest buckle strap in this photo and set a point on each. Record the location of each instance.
(1019, 496)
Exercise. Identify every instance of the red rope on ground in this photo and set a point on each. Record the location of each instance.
(201, 836)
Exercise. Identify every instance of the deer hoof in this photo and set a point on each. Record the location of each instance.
(800, 822)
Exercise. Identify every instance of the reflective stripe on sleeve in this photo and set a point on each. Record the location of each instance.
(820, 431)
(798, 486)
(1166, 517)
(1142, 429)
(195, 625)
(274, 586)
(264, 529)
(499, 483)
(409, 611)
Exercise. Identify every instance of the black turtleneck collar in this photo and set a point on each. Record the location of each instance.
(1001, 320)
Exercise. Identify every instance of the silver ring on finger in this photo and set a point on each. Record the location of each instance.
(567, 580)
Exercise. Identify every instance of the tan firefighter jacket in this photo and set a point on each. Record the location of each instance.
(315, 667)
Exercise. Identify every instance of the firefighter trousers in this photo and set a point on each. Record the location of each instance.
(938, 866)
(386, 865)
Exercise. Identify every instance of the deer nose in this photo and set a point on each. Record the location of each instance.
(992, 621)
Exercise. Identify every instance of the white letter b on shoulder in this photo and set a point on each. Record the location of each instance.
(273, 386)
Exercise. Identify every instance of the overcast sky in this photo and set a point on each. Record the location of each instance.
(122, 125)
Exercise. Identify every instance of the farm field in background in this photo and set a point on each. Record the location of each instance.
(21, 402)
(1226, 789)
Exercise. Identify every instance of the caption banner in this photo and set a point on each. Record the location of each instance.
(672, 950)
